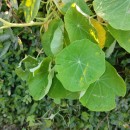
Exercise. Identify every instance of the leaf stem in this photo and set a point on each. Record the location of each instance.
(9, 25)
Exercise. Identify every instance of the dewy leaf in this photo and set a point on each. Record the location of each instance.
(123, 37)
(100, 96)
(40, 80)
(52, 39)
(78, 26)
(115, 12)
(101, 32)
(58, 91)
(80, 64)
(30, 8)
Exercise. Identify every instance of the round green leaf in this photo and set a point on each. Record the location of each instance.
(59, 92)
(100, 96)
(78, 26)
(123, 37)
(115, 12)
(80, 64)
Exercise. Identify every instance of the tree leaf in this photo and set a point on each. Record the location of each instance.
(80, 64)
(123, 37)
(100, 96)
(101, 32)
(78, 26)
(108, 9)
(52, 39)
(58, 91)
(30, 8)
(40, 80)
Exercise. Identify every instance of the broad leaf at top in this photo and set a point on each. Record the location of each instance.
(30, 8)
(123, 37)
(40, 80)
(59, 92)
(115, 12)
(80, 64)
(52, 39)
(100, 96)
(78, 26)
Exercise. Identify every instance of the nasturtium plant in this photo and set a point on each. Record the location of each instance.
(75, 37)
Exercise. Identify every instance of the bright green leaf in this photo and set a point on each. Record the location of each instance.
(79, 65)
(100, 96)
(40, 80)
(58, 91)
(52, 39)
(123, 37)
(115, 12)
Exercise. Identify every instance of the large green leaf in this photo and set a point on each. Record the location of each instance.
(115, 12)
(59, 92)
(40, 80)
(100, 96)
(123, 37)
(79, 65)
(78, 26)
(30, 8)
(52, 39)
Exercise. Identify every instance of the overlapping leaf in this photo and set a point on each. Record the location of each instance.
(52, 39)
(59, 92)
(79, 65)
(115, 12)
(78, 26)
(40, 80)
(123, 37)
(100, 96)
(101, 32)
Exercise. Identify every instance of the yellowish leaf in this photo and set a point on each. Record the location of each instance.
(101, 32)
